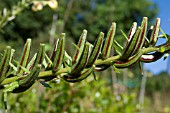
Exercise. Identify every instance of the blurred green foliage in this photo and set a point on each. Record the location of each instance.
(74, 16)
(157, 93)
(89, 96)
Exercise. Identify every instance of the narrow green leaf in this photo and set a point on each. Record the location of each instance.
(147, 40)
(163, 33)
(115, 69)
(45, 84)
(48, 59)
(12, 69)
(118, 45)
(22, 68)
(4, 64)
(117, 48)
(124, 34)
(80, 45)
(76, 46)
(108, 42)
(24, 57)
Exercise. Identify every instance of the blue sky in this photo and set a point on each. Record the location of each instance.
(164, 14)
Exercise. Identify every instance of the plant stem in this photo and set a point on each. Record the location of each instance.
(49, 73)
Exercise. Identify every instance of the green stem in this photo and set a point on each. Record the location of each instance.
(49, 73)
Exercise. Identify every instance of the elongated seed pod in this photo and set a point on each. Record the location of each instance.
(54, 49)
(49, 65)
(81, 45)
(132, 31)
(101, 67)
(155, 32)
(40, 56)
(131, 45)
(28, 81)
(30, 78)
(84, 74)
(24, 57)
(142, 36)
(31, 62)
(96, 50)
(147, 58)
(59, 54)
(108, 41)
(129, 62)
(4, 64)
(21, 89)
(82, 62)
(130, 38)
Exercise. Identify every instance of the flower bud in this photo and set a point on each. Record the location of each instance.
(53, 4)
(37, 6)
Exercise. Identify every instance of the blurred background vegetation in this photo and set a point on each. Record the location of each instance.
(111, 92)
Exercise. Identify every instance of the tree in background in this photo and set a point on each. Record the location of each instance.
(74, 16)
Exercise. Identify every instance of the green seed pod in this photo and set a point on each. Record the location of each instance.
(131, 45)
(155, 32)
(59, 53)
(81, 45)
(40, 56)
(82, 62)
(132, 31)
(31, 63)
(147, 58)
(142, 35)
(4, 64)
(108, 42)
(96, 50)
(30, 78)
(129, 62)
(81, 76)
(24, 57)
